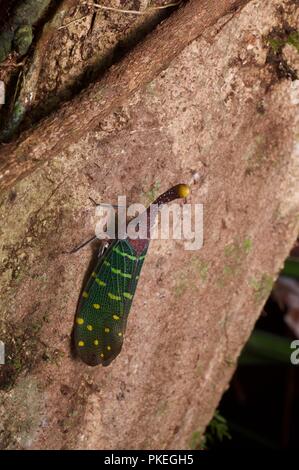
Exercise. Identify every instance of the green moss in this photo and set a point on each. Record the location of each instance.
(30, 11)
(262, 287)
(197, 440)
(17, 364)
(278, 42)
(191, 278)
(181, 286)
(23, 39)
(229, 271)
(5, 44)
(18, 113)
(22, 350)
(13, 122)
(293, 40)
(201, 268)
(234, 254)
(237, 250)
(229, 361)
(247, 245)
(19, 33)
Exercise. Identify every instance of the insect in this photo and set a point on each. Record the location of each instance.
(105, 302)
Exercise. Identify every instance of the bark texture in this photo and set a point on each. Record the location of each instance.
(138, 68)
(222, 109)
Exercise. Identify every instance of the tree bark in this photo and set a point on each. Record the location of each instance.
(224, 110)
(84, 112)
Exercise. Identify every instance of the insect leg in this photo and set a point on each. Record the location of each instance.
(94, 237)
(78, 247)
(115, 206)
(104, 247)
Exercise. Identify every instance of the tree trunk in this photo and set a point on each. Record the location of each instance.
(225, 108)
(82, 114)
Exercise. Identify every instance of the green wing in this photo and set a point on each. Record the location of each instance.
(105, 303)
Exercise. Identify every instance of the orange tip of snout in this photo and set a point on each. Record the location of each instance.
(183, 190)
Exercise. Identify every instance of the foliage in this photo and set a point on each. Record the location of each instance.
(216, 432)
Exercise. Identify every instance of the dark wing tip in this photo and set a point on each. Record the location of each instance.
(91, 359)
(94, 358)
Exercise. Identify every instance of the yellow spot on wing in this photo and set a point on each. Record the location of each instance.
(113, 297)
(120, 273)
(115, 317)
(89, 327)
(85, 295)
(127, 295)
(96, 306)
(96, 342)
(120, 333)
(102, 355)
(79, 321)
(107, 330)
(127, 255)
(93, 274)
(106, 263)
(108, 348)
(81, 343)
(100, 283)
(124, 254)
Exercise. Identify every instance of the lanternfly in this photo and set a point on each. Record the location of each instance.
(106, 300)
